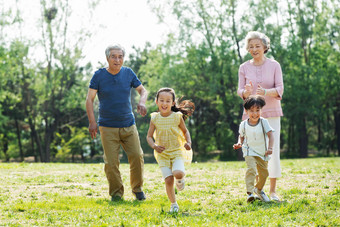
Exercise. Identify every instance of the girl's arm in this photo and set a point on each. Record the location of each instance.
(186, 133)
(150, 141)
(271, 143)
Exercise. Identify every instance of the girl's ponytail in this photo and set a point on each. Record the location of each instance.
(186, 107)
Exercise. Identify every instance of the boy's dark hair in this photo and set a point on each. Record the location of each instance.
(186, 106)
(254, 100)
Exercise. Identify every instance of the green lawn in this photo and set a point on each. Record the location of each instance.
(77, 194)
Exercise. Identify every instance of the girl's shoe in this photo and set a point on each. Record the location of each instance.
(174, 208)
(274, 197)
(180, 183)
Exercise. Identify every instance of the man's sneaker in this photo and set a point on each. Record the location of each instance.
(256, 197)
(274, 197)
(261, 195)
(174, 208)
(140, 196)
(180, 184)
(251, 198)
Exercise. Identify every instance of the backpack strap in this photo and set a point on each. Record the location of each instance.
(244, 134)
(264, 135)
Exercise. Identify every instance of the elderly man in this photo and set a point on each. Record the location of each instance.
(116, 120)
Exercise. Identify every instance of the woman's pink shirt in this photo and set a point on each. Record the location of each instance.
(268, 75)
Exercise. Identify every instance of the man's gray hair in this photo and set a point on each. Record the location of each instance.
(258, 35)
(114, 47)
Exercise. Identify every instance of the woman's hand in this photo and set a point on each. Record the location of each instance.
(248, 89)
(260, 90)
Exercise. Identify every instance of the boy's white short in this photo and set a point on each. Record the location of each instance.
(178, 164)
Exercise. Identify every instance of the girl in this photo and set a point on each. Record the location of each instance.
(254, 133)
(172, 145)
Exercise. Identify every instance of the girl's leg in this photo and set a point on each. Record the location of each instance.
(170, 190)
(178, 171)
(169, 183)
(178, 174)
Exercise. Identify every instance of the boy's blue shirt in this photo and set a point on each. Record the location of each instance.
(114, 94)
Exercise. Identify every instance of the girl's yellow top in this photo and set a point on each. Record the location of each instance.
(169, 135)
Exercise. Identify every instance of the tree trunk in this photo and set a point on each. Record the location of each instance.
(19, 140)
(337, 124)
(235, 34)
(290, 140)
(37, 139)
(303, 139)
(47, 140)
(33, 150)
(5, 147)
(93, 149)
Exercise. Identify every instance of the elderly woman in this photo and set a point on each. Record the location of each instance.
(263, 76)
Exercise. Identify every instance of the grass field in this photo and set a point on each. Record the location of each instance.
(77, 195)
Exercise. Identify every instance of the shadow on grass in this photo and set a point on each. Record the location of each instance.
(119, 202)
(175, 215)
(266, 205)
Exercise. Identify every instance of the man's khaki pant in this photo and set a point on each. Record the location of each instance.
(128, 137)
(253, 163)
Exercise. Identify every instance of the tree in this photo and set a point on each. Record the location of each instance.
(51, 93)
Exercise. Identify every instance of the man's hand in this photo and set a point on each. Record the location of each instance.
(141, 109)
(93, 130)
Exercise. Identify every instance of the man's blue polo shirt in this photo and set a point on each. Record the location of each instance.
(114, 94)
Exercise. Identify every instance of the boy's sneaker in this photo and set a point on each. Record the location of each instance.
(180, 184)
(261, 195)
(251, 198)
(174, 208)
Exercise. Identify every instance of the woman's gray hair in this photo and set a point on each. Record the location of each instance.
(258, 35)
(114, 47)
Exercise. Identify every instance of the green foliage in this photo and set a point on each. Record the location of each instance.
(42, 111)
(39, 99)
(202, 60)
(76, 143)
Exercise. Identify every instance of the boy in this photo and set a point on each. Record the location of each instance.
(255, 132)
